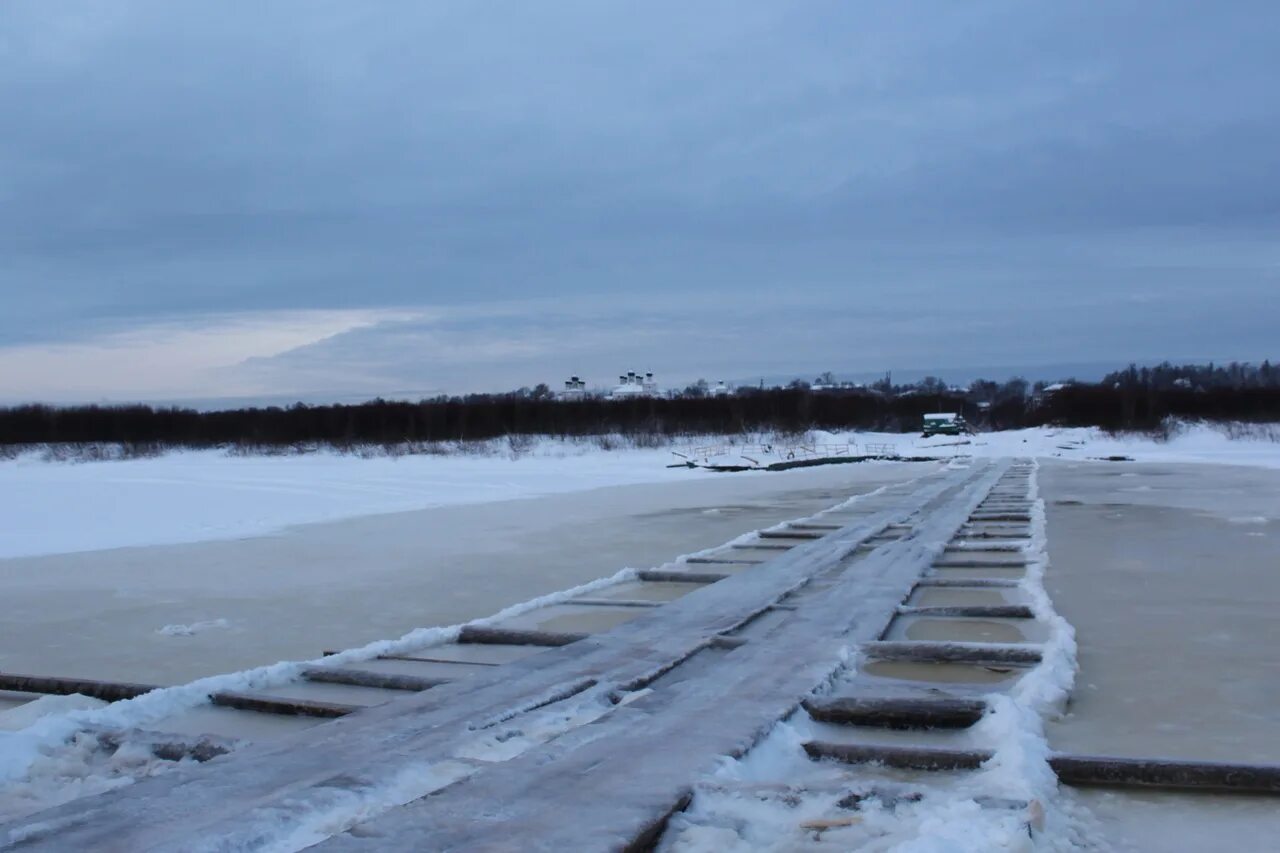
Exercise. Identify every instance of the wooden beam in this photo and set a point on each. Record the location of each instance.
(1077, 770)
(722, 561)
(971, 611)
(107, 691)
(789, 534)
(762, 546)
(658, 576)
(263, 704)
(918, 651)
(421, 659)
(978, 583)
(897, 712)
(492, 636)
(613, 602)
(980, 564)
(365, 678)
(1000, 516)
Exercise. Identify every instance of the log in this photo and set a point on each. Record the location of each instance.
(419, 659)
(365, 678)
(112, 691)
(1006, 583)
(809, 525)
(107, 691)
(614, 602)
(1076, 770)
(979, 515)
(789, 534)
(898, 757)
(989, 534)
(971, 611)
(762, 546)
(914, 651)
(988, 547)
(726, 561)
(897, 712)
(659, 576)
(980, 564)
(263, 704)
(492, 636)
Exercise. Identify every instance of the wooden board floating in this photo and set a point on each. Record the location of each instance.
(491, 636)
(107, 691)
(898, 712)
(1076, 770)
(919, 651)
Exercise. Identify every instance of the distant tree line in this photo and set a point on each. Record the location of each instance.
(1133, 399)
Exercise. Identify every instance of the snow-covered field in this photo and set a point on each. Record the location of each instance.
(196, 496)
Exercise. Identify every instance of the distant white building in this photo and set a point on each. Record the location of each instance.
(633, 384)
(720, 390)
(574, 389)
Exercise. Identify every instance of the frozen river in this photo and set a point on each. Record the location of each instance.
(1171, 576)
(247, 602)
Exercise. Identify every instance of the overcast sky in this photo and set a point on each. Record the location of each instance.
(316, 198)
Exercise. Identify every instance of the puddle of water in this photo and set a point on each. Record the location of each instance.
(960, 630)
(949, 597)
(942, 673)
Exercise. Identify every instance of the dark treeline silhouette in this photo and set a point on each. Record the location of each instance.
(1132, 399)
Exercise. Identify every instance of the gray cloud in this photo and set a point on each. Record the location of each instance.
(168, 161)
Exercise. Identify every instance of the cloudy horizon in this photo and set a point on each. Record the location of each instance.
(306, 199)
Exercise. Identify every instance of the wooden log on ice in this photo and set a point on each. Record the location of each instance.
(898, 757)
(365, 678)
(493, 636)
(264, 704)
(422, 659)
(920, 651)
(979, 515)
(955, 563)
(987, 547)
(614, 602)
(107, 691)
(789, 534)
(723, 561)
(810, 525)
(659, 576)
(971, 611)
(762, 546)
(978, 583)
(897, 712)
(1076, 770)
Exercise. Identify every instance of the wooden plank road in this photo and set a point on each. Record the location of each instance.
(254, 797)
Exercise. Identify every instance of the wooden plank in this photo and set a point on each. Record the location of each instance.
(920, 651)
(268, 791)
(954, 563)
(723, 561)
(658, 576)
(789, 534)
(1002, 583)
(613, 602)
(264, 704)
(1076, 770)
(1000, 516)
(494, 636)
(971, 611)
(898, 712)
(422, 659)
(107, 691)
(365, 678)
